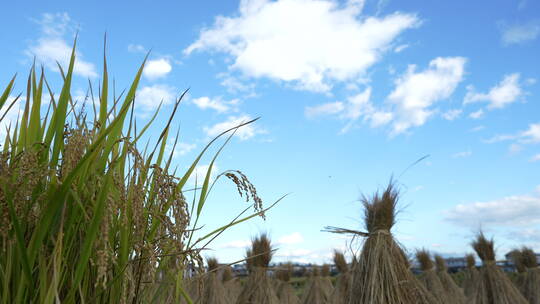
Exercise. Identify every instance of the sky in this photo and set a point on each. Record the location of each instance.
(349, 95)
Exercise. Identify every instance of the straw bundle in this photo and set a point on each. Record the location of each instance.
(519, 279)
(452, 290)
(231, 284)
(471, 277)
(494, 286)
(429, 276)
(381, 274)
(258, 288)
(315, 292)
(531, 285)
(214, 292)
(340, 295)
(326, 281)
(285, 291)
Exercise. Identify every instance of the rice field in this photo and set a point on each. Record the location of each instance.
(90, 214)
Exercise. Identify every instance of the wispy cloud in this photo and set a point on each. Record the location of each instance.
(51, 47)
(290, 239)
(462, 154)
(136, 48)
(506, 92)
(244, 133)
(529, 136)
(149, 97)
(520, 33)
(477, 114)
(217, 104)
(452, 114)
(535, 158)
(516, 210)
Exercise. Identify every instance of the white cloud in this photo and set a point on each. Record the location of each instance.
(235, 85)
(525, 235)
(294, 253)
(416, 92)
(409, 104)
(452, 114)
(216, 103)
(400, 48)
(462, 154)
(520, 33)
(515, 148)
(293, 238)
(477, 114)
(529, 136)
(315, 42)
(477, 128)
(535, 158)
(157, 68)
(236, 244)
(520, 210)
(180, 149)
(330, 108)
(199, 174)
(136, 48)
(11, 117)
(149, 97)
(504, 93)
(532, 134)
(243, 133)
(356, 107)
(52, 47)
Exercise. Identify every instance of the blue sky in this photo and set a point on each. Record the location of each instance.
(349, 94)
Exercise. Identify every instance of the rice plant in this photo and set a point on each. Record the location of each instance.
(86, 214)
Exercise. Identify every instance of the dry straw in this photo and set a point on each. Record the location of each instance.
(285, 291)
(453, 293)
(326, 280)
(471, 277)
(382, 273)
(429, 276)
(315, 292)
(494, 286)
(340, 295)
(231, 284)
(258, 288)
(214, 292)
(531, 284)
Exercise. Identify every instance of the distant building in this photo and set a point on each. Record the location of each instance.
(456, 264)
(509, 265)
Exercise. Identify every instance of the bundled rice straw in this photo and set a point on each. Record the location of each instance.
(326, 281)
(231, 284)
(214, 292)
(531, 284)
(258, 288)
(382, 273)
(315, 292)
(494, 286)
(429, 277)
(471, 277)
(340, 295)
(285, 291)
(453, 293)
(519, 279)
